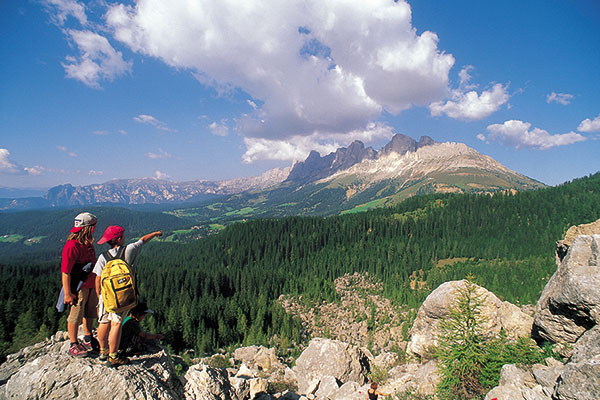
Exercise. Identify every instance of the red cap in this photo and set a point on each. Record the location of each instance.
(112, 232)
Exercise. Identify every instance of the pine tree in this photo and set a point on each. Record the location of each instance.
(461, 349)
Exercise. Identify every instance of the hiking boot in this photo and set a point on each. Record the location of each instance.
(117, 362)
(92, 345)
(103, 355)
(77, 350)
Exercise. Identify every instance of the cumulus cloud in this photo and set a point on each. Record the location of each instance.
(219, 128)
(8, 166)
(316, 66)
(466, 104)
(589, 125)
(519, 134)
(160, 175)
(561, 98)
(149, 119)
(298, 147)
(161, 155)
(97, 59)
(62, 9)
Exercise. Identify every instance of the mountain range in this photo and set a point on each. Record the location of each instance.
(355, 177)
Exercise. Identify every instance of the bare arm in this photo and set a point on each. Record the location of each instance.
(98, 287)
(70, 298)
(149, 236)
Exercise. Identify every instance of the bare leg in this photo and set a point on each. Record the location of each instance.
(103, 332)
(114, 339)
(72, 329)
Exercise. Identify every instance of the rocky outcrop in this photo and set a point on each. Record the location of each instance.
(361, 317)
(258, 357)
(497, 315)
(570, 302)
(316, 167)
(562, 246)
(330, 358)
(45, 371)
(567, 314)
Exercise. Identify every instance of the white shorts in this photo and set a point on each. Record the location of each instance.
(104, 317)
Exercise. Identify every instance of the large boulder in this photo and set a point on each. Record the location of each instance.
(325, 357)
(206, 383)
(46, 371)
(497, 315)
(258, 357)
(562, 246)
(580, 378)
(570, 302)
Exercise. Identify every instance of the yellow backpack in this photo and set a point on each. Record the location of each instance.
(117, 284)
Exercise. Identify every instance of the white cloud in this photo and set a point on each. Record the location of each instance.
(309, 66)
(562, 98)
(161, 155)
(160, 175)
(298, 147)
(588, 125)
(62, 9)
(519, 134)
(7, 166)
(149, 119)
(219, 129)
(100, 132)
(95, 173)
(97, 59)
(65, 150)
(481, 137)
(122, 131)
(466, 104)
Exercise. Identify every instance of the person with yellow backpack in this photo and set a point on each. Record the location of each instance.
(116, 289)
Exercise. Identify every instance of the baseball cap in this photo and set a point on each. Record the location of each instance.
(83, 219)
(110, 233)
(141, 308)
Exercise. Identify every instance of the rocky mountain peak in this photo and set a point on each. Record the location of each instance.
(316, 167)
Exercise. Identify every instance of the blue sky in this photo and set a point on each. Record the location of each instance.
(186, 90)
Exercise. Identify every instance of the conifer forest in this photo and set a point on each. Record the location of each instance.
(222, 290)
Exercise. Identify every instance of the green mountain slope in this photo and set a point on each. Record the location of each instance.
(221, 290)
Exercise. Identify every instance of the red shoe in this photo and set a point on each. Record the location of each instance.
(77, 350)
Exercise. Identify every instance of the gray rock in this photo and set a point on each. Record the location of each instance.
(505, 392)
(510, 374)
(258, 357)
(497, 315)
(206, 383)
(349, 391)
(327, 386)
(570, 302)
(324, 357)
(46, 371)
(587, 346)
(546, 376)
(579, 381)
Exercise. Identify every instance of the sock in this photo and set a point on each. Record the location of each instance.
(104, 351)
(113, 355)
(87, 338)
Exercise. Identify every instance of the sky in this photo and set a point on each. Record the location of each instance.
(195, 89)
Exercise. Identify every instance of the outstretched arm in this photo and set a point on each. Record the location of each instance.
(149, 236)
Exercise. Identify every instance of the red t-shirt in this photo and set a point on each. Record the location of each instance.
(77, 253)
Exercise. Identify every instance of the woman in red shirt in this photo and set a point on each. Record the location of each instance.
(78, 285)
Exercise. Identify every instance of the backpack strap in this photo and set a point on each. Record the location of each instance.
(120, 254)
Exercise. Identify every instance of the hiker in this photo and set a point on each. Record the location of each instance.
(78, 285)
(373, 393)
(133, 336)
(110, 323)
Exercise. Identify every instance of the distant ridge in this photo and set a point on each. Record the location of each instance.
(351, 177)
